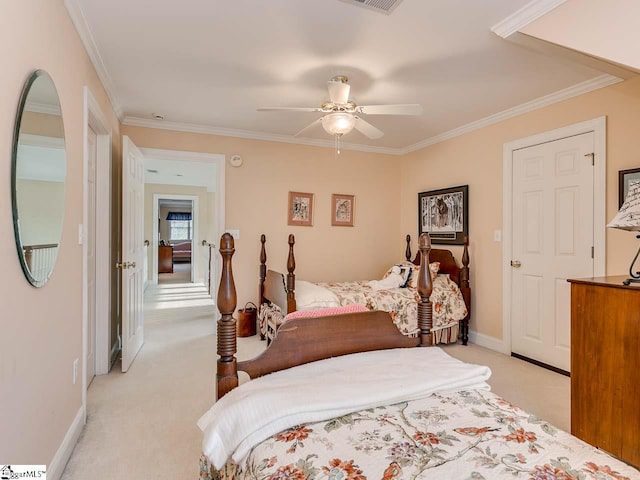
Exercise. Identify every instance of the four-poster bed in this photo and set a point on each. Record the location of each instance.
(451, 290)
(385, 412)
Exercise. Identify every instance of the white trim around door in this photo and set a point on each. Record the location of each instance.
(599, 127)
(94, 119)
(220, 222)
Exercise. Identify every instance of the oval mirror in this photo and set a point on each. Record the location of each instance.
(38, 173)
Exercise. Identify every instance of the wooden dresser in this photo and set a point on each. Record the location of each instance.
(165, 259)
(605, 365)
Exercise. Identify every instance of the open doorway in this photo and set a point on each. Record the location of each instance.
(183, 216)
(177, 228)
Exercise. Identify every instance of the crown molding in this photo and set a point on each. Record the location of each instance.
(41, 141)
(86, 37)
(587, 86)
(573, 91)
(523, 17)
(269, 137)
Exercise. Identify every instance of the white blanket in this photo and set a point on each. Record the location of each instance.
(329, 388)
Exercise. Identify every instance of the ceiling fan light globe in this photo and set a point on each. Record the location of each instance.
(338, 123)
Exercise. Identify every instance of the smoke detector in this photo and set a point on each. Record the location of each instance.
(235, 160)
(381, 6)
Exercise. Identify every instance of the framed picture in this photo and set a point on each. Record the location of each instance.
(300, 209)
(444, 214)
(342, 210)
(624, 176)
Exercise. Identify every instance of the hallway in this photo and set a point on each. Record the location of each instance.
(142, 424)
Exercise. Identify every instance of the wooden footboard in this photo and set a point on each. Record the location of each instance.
(306, 340)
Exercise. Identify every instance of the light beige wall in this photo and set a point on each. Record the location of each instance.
(41, 328)
(42, 124)
(206, 216)
(476, 159)
(603, 29)
(256, 202)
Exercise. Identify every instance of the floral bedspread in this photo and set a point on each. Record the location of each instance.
(465, 435)
(401, 303)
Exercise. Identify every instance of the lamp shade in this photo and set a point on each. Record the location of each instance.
(338, 123)
(628, 217)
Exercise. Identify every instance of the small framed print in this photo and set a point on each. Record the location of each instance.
(342, 210)
(300, 209)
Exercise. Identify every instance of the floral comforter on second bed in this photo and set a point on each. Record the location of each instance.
(401, 303)
(464, 435)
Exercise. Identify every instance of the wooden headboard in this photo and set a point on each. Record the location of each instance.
(448, 263)
(275, 289)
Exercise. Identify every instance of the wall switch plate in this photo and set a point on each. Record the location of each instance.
(234, 233)
(497, 235)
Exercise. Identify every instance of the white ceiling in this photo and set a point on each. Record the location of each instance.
(211, 63)
(161, 171)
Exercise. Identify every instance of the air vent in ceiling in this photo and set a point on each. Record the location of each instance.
(382, 6)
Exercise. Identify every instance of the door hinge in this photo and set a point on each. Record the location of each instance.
(593, 158)
(592, 252)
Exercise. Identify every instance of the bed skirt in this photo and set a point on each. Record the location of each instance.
(446, 335)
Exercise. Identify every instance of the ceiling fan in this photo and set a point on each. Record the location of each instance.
(343, 115)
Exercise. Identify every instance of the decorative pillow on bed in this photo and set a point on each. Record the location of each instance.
(310, 296)
(415, 271)
(325, 312)
(405, 272)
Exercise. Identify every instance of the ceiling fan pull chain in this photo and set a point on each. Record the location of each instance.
(338, 144)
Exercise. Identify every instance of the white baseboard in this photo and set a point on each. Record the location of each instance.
(489, 342)
(56, 467)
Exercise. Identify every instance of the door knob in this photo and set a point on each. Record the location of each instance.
(515, 264)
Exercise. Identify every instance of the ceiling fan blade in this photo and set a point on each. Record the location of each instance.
(308, 127)
(367, 129)
(289, 109)
(338, 92)
(406, 109)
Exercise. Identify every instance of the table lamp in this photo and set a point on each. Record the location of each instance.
(628, 218)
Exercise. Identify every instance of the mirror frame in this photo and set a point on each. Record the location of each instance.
(14, 176)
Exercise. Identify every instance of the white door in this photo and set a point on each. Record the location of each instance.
(132, 251)
(90, 241)
(553, 192)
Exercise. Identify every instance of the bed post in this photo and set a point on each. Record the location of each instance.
(425, 287)
(263, 275)
(227, 373)
(291, 277)
(407, 252)
(466, 291)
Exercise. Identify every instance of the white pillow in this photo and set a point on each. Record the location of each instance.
(310, 296)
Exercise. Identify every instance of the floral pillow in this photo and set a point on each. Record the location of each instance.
(415, 271)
